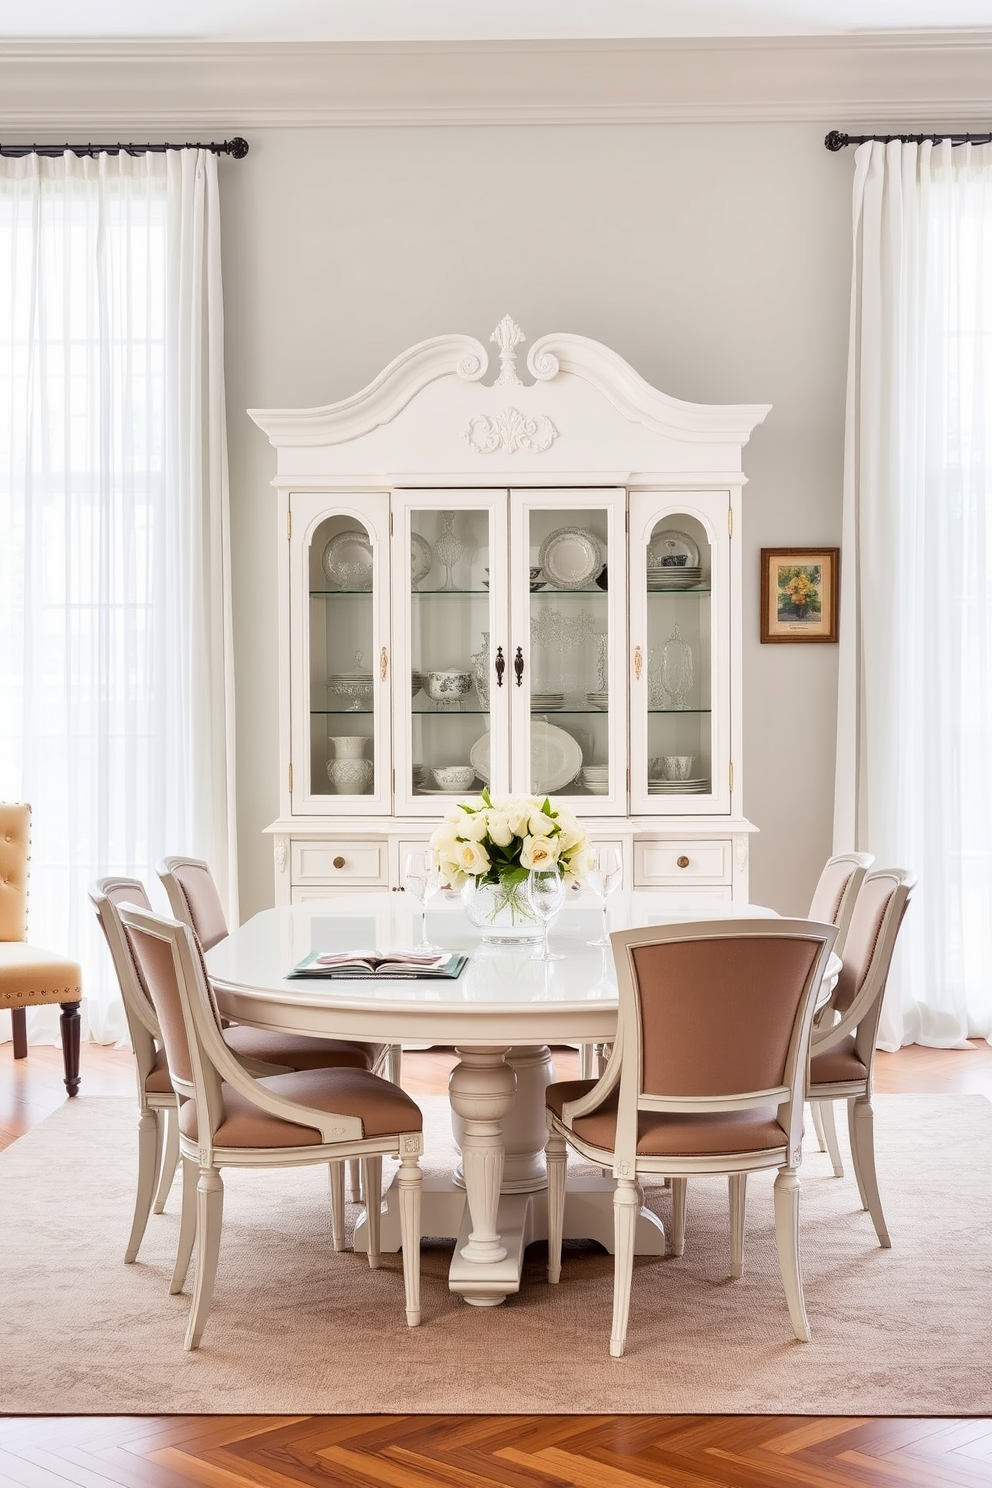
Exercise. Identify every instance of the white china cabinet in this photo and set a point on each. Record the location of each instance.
(533, 584)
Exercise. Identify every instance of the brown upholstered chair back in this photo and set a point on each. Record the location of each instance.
(15, 848)
(871, 941)
(837, 891)
(194, 899)
(717, 1015)
(142, 1020)
(153, 958)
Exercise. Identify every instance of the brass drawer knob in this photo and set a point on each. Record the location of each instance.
(339, 862)
(683, 862)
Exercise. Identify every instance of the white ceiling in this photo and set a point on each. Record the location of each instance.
(475, 20)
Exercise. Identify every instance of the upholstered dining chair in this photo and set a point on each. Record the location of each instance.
(230, 1118)
(842, 1054)
(194, 899)
(260, 1051)
(833, 902)
(707, 1076)
(30, 976)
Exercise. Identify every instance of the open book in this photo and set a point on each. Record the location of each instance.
(380, 963)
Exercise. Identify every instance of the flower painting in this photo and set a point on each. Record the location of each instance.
(799, 594)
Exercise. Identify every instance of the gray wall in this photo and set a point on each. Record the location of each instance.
(715, 259)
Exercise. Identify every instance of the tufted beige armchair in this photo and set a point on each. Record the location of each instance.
(30, 976)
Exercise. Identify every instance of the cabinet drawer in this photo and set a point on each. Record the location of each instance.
(339, 862)
(689, 863)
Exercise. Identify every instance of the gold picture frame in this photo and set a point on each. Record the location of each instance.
(799, 594)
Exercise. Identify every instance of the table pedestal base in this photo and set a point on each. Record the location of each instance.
(520, 1219)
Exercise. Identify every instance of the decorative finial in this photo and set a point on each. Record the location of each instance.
(506, 336)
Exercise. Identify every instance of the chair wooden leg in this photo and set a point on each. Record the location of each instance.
(737, 1185)
(149, 1156)
(394, 1063)
(587, 1061)
(861, 1125)
(680, 1193)
(409, 1181)
(69, 1028)
(209, 1217)
(372, 1184)
(336, 1178)
(787, 1241)
(187, 1227)
(626, 1207)
(814, 1111)
(354, 1180)
(169, 1143)
(556, 1158)
(830, 1136)
(19, 1031)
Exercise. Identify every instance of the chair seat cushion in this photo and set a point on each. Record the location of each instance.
(383, 1109)
(157, 1081)
(297, 1051)
(672, 1133)
(835, 1066)
(30, 976)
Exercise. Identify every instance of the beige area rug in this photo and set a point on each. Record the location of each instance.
(296, 1328)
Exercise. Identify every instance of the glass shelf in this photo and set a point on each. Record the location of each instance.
(340, 593)
(341, 712)
(680, 712)
(681, 593)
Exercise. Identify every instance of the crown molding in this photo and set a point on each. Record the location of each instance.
(901, 79)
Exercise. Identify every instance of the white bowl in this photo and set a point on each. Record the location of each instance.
(454, 777)
(447, 687)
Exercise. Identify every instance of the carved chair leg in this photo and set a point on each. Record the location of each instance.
(69, 1027)
(861, 1124)
(19, 1029)
(786, 1194)
(372, 1184)
(556, 1159)
(169, 1123)
(149, 1157)
(336, 1176)
(627, 1200)
(679, 1187)
(209, 1218)
(737, 1185)
(187, 1226)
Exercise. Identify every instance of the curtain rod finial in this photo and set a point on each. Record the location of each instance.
(835, 140)
(238, 147)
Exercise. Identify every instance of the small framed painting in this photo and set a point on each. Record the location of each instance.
(799, 594)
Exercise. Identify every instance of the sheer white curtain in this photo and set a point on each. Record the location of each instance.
(914, 763)
(116, 705)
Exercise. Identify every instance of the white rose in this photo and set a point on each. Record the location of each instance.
(499, 828)
(517, 818)
(472, 858)
(474, 828)
(540, 825)
(445, 841)
(538, 852)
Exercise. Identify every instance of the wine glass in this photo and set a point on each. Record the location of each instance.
(545, 895)
(422, 879)
(602, 879)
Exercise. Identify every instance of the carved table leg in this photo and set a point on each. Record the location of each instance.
(69, 1028)
(481, 1088)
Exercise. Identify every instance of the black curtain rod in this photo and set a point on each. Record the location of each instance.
(836, 140)
(237, 148)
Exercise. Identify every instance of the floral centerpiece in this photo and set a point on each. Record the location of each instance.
(487, 846)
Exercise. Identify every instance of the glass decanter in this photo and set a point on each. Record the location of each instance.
(676, 670)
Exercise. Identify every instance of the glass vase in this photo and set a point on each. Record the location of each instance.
(501, 911)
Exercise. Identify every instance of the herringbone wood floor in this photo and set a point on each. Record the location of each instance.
(482, 1451)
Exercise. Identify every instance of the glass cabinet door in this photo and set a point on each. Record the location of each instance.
(450, 678)
(568, 622)
(679, 566)
(339, 709)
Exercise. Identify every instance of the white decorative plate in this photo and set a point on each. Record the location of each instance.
(347, 560)
(555, 758)
(421, 558)
(571, 558)
(672, 544)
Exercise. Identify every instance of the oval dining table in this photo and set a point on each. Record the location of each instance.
(501, 1015)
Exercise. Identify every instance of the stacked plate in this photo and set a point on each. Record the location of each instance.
(696, 787)
(596, 779)
(541, 702)
(600, 700)
(664, 576)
